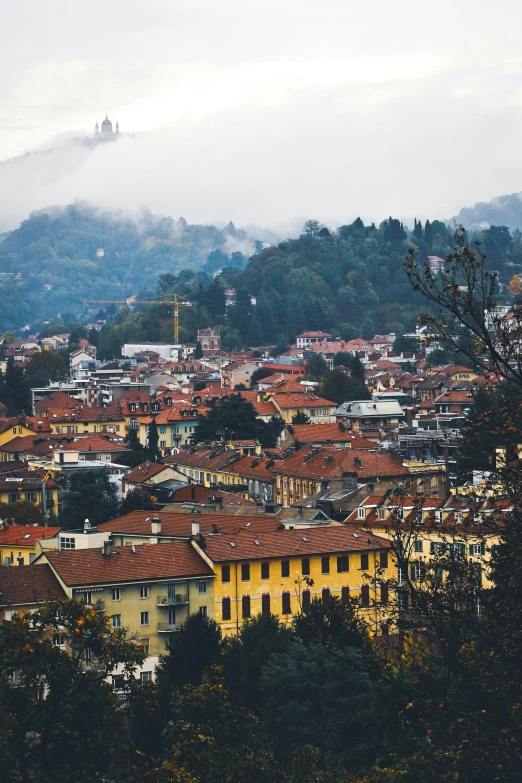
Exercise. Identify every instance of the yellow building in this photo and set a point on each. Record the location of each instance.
(18, 543)
(148, 589)
(281, 572)
(434, 525)
(30, 486)
(16, 427)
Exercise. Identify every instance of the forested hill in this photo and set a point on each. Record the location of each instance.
(349, 281)
(50, 263)
(500, 211)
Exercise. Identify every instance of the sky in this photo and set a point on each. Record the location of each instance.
(265, 113)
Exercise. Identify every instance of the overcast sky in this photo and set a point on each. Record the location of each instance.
(263, 112)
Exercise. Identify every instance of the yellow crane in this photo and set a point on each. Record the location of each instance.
(131, 300)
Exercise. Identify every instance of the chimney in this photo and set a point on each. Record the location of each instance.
(155, 525)
(195, 528)
(107, 549)
(86, 525)
(20, 560)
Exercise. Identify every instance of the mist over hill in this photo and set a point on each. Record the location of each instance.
(500, 211)
(61, 255)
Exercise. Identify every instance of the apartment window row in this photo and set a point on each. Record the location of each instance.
(343, 566)
(305, 601)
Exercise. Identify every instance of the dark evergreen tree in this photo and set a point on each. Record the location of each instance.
(428, 234)
(198, 352)
(152, 452)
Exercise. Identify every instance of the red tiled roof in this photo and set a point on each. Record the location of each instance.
(287, 543)
(146, 562)
(332, 463)
(26, 535)
(301, 401)
(32, 584)
(321, 433)
(179, 524)
(198, 494)
(94, 443)
(144, 472)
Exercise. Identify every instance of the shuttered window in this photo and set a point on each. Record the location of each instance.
(245, 607)
(286, 605)
(265, 603)
(225, 609)
(345, 595)
(365, 595)
(326, 595)
(305, 600)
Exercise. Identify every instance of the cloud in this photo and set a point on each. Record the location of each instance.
(262, 113)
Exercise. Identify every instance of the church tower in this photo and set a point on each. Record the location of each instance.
(117, 128)
(96, 128)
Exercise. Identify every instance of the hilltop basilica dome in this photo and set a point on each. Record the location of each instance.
(106, 127)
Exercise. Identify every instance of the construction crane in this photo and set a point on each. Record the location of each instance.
(131, 300)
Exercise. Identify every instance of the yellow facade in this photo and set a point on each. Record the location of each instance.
(278, 585)
(164, 605)
(67, 427)
(16, 431)
(31, 495)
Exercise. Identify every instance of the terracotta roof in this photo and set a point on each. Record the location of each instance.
(265, 408)
(198, 494)
(455, 396)
(33, 444)
(28, 585)
(332, 463)
(287, 543)
(82, 413)
(26, 535)
(146, 562)
(288, 401)
(321, 433)
(91, 443)
(57, 399)
(144, 472)
(179, 524)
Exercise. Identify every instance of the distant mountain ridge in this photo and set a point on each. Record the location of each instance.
(500, 211)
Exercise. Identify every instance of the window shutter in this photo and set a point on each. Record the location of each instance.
(413, 573)
(432, 547)
(365, 595)
(326, 595)
(245, 605)
(306, 600)
(265, 603)
(462, 549)
(384, 593)
(482, 548)
(225, 608)
(345, 595)
(471, 549)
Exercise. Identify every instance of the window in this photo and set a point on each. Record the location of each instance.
(202, 586)
(437, 547)
(418, 571)
(146, 646)
(245, 607)
(325, 595)
(203, 611)
(342, 564)
(305, 600)
(146, 676)
(225, 573)
(32, 557)
(365, 595)
(418, 546)
(87, 596)
(162, 430)
(385, 593)
(325, 565)
(116, 620)
(361, 513)
(245, 572)
(364, 562)
(30, 497)
(144, 592)
(383, 559)
(13, 497)
(144, 618)
(381, 513)
(285, 568)
(477, 549)
(286, 607)
(402, 601)
(225, 609)
(345, 595)
(59, 639)
(305, 566)
(265, 603)
(163, 444)
(116, 593)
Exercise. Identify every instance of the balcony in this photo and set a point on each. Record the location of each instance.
(180, 599)
(168, 627)
(99, 605)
